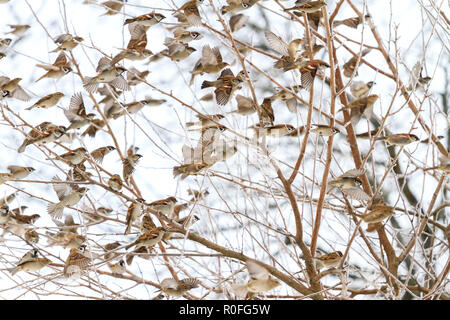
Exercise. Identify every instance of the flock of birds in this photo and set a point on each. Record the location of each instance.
(112, 79)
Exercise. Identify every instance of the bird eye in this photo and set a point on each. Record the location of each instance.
(244, 5)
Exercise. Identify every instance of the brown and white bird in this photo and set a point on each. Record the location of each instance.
(351, 22)
(237, 5)
(190, 12)
(67, 42)
(113, 6)
(189, 169)
(416, 80)
(147, 224)
(76, 262)
(146, 20)
(307, 6)
(149, 239)
(129, 163)
(106, 73)
(19, 172)
(289, 59)
(31, 236)
(350, 184)
(48, 101)
(95, 126)
(30, 265)
(266, 110)
(134, 76)
(73, 157)
(58, 69)
(225, 85)
(178, 288)
(399, 139)
(277, 130)
(76, 114)
(325, 130)
(115, 182)
(45, 132)
(180, 35)
(117, 268)
(18, 29)
(245, 105)
(99, 154)
(210, 62)
(237, 21)
(4, 44)
(351, 66)
(288, 97)
(164, 206)
(360, 89)
(377, 213)
(134, 210)
(361, 107)
(260, 281)
(328, 260)
(136, 49)
(10, 88)
(68, 195)
(206, 120)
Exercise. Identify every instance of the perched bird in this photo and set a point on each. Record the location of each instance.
(206, 120)
(73, 157)
(115, 182)
(99, 154)
(31, 236)
(237, 21)
(210, 62)
(30, 265)
(147, 224)
(19, 172)
(76, 262)
(189, 169)
(29, 255)
(106, 73)
(129, 164)
(351, 22)
(147, 20)
(109, 247)
(4, 44)
(399, 139)
(66, 239)
(18, 29)
(289, 51)
(260, 281)
(180, 35)
(43, 133)
(325, 130)
(416, 80)
(360, 89)
(117, 268)
(68, 195)
(149, 239)
(266, 110)
(76, 114)
(178, 288)
(225, 85)
(48, 101)
(113, 6)
(351, 66)
(58, 69)
(307, 6)
(78, 173)
(67, 42)
(245, 105)
(136, 49)
(377, 213)
(190, 12)
(237, 5)
(164, 206)
(361, 107)
(328, 260)
(134, 210)
(350, 184)
(10, 88)
(287, 97)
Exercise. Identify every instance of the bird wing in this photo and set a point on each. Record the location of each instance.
(276, 43)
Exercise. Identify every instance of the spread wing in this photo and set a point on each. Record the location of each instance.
(276, 43)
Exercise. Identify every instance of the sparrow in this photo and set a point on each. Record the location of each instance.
(106, 73)
(31, 236)
(351, 22)
(68, 195)
(164, 206)
(181, 35)
(58, 69)
(149, 239)
(110, 95)
(416, 80)
(197, 195)
(177, 209)
(147, 224)
(5, 217)
(209, 136)
(113, 7)
(48, 101)
(276, 130)
(18, 218)
(225, 85)
(325, 130)
(10, 88)
(308, 70)
(68, 225)
(287, 97)
(29, 255)
(117, 268)
(245, 106)
(110, 247)
(129, 164)
(378, 213)
(260, 281)
(210, 62)
(328, 260)
(178, 51)
(399, 139)
(19, 172)
(190, 12)
(99, 154)
(307, 6)
(360, 89)
(67, 42)
(361, 107)
(237, 5)
(147, 20)
(4, 44)
(350, 66)
(237, 21)
(134, 76)
(206, 120)
(66, 239)
(73, 157)
(178, 288)
(136, 48)
(76, 261)
(78, 173)
(18, 29)
(136, 106)
(134, 210)
(94, 127)
(141, 252)
(350, 184)
(115, 182)
(189, 169)
(289, 51)
(188, 221)
(76, 114)
(266, 110)
(33, 264)
(44, 133)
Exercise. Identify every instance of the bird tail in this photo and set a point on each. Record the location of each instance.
(191, 124)
(89, 85)
(22, 147)
(29, 108)
(128, 21)
(13, 271)
(207, 84)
